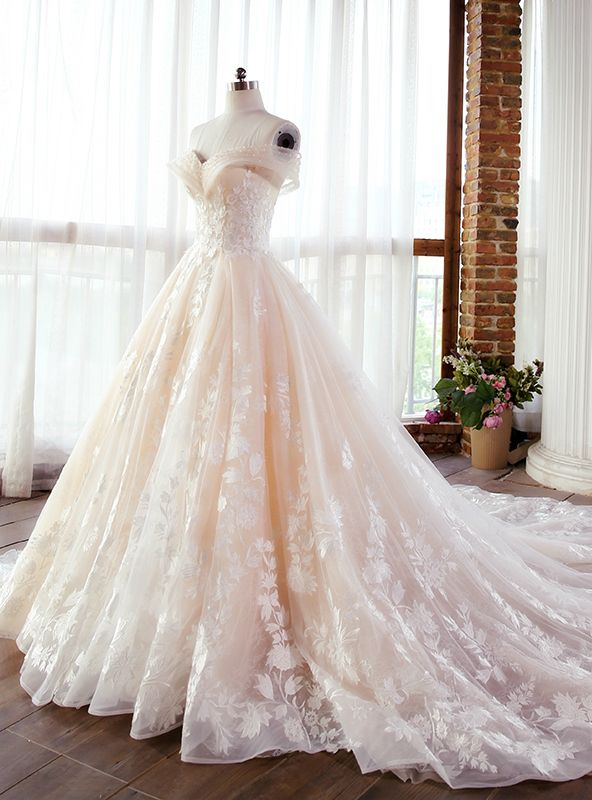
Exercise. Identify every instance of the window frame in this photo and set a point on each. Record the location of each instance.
(449, 248)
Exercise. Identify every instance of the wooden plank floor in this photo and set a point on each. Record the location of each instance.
(51, 752)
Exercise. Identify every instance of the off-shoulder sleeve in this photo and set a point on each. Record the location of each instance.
(280, 160)
(285, 162)
(292, 170)
(187, 167)
(198, 177)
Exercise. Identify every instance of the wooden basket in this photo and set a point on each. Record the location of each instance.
(490, 446)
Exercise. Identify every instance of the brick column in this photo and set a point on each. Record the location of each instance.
(490, 213)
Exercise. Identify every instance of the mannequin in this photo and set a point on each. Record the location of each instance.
(245, 122)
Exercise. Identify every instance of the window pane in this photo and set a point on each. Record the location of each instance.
(432, 103)
(426, 339)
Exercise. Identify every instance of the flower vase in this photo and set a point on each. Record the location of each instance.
(490, 446)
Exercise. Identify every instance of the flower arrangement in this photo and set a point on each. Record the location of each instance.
(482, 388)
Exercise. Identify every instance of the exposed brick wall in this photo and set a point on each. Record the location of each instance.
(490, 202)
(440, 437)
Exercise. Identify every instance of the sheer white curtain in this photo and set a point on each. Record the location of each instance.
(532, 248)
(530, 299)
(98, 96)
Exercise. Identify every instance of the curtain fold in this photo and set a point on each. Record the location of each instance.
(532, 248)
(99, 96)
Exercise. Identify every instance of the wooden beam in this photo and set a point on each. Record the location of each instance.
(453, 195)
(428, 247)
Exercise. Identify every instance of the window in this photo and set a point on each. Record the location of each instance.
(101, 95)
(435, 281)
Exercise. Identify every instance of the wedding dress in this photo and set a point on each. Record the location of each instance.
(244, 544)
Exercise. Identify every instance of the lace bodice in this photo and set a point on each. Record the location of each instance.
(234, 193)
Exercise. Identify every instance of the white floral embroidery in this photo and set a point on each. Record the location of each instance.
(301, 576)
(377, 569)
(334, 641)
(236, 221)
(225, 555)
(282, 403)
(328, 526)
(346, 455)
(258, 308)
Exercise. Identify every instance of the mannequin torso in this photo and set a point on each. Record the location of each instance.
(244, 123)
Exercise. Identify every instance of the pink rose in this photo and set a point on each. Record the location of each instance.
(470, 389)
(499, 408)
(493, 421)
(507, 394)
(432, 416)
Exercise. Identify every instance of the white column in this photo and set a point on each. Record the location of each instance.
(563, 458)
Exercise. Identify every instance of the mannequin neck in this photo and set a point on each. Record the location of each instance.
(244, 100)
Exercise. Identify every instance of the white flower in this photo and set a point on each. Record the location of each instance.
(422, 725)
(301, 580)
(246, 516)
(545, 756)
(422, 618)
(569, 707)
(251, 720)
(397, 592)
(316, 698)
(266, 603)
(520, 696)
(280, 656)
(376, 571)
(294, 730)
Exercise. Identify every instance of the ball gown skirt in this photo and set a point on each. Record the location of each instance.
(243, 545)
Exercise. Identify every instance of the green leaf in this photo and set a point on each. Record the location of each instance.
(445, 387)
(485, 392)
(471, 405)
(471, 416)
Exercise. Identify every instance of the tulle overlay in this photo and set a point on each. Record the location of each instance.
(243, 544)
